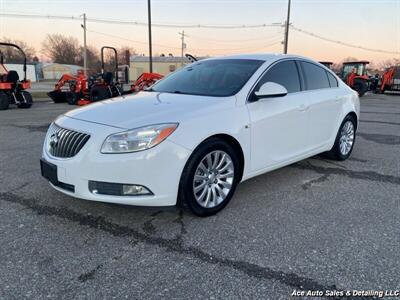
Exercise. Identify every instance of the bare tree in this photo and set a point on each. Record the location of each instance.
(61, 49)
(349, 59)
(93, 59)
(124, 54)
(12, 55)
(388, 63)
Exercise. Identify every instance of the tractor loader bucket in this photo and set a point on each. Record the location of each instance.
(58, 96)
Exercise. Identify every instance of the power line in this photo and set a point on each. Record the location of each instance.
(210, 26)
(179, 48)
(138, 23)
(130, 40)
(260, 48)
(342, 43)
(220, 41)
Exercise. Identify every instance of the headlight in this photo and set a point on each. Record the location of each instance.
(138, 139)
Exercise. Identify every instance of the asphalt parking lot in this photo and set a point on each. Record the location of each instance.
(317, 225)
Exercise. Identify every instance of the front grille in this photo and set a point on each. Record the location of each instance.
(65, 142)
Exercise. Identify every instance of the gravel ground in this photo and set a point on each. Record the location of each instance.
(314, 225)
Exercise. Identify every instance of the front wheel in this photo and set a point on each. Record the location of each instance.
(345, 139)
(4, 102)
(210, 178)
(98, 93)
(25, 99)
(360, 86)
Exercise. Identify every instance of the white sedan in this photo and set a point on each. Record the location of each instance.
(196, 134)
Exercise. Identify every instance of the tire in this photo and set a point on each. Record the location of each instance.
(360, 86)
(71, 98)
(337, 152)
(207, 195)
(4, 102)
(117, 91)
(98, 93)
(24, 96)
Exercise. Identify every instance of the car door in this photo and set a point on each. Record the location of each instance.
(324, 100)
(278, 124)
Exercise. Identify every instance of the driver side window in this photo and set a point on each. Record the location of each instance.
(284, 73)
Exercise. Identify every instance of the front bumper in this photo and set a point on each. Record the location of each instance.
(158, 169)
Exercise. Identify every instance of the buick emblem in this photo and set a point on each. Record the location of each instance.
(54, 140)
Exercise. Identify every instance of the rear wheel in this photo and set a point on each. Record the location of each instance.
(4, 102)
(98, 93)
(25, 99)
(117, 91)
(210, 178)
(360, 86)
(345, 139)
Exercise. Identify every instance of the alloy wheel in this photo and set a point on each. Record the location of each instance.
(213, 179)
(346, 138)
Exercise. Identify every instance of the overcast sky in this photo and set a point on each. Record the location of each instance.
(368, 23)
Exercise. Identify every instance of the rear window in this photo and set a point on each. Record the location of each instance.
(315, 76)
(332, 80)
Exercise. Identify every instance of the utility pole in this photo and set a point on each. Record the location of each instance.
(150, 43)
(183, 45)
(287, 24)
(85, 66)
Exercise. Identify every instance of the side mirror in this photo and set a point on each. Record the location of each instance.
(271, 89)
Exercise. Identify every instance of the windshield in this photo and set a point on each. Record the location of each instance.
(217, 77)
(359, 69)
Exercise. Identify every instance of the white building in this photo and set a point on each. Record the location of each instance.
(30, 71)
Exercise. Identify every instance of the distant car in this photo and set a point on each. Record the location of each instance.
(198, 132)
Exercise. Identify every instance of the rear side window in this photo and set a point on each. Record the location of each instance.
(284, 73)
(315, 76)
(332, 80)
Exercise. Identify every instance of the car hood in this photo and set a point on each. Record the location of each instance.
(147, 108)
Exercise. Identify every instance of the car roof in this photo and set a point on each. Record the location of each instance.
(261, 56)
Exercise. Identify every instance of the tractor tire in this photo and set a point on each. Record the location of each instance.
(71, 98)
(360, 86)
(118, 91)
(24, 96)
(98, 93)
(4, 102)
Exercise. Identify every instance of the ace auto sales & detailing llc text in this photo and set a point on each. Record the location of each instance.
(348, 293)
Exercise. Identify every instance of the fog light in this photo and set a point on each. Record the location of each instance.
(118, 189)
(132, 189)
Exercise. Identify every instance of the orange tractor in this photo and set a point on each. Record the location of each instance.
(69, 88)
(12, 89)
(144, 81)
(355, 75)
(82, 90)
(390, 80)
